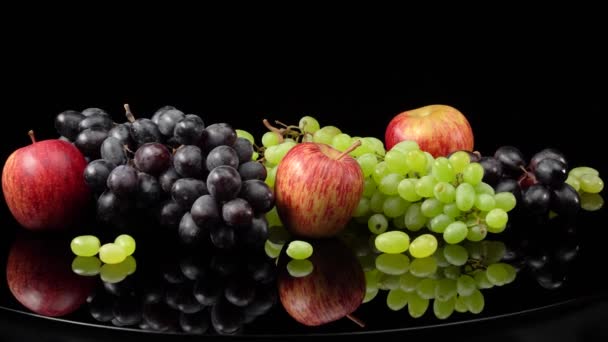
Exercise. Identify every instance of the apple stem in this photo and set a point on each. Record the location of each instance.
(350, 149)
(357, 321)
(274, 129)
(32, 136)
(128, 113)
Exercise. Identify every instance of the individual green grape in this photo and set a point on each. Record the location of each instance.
(376, 203)
(465, 196)
(441, 261)
(394, 206)
(363, 208)
(475, 302)
(591, 202)
(465, 285)
(444, 309)
(370, 295)
(407, 190)
(255, 155)
(451, 210)
(459, 161)
(455, 232)
(423, 246)
(393, 264)
(371, 279)
(396, 299)
(573, 182)
(414, 220)
(430, 160)
(270, 139)
(408, 282)
(439, 223)
(272, 154)
(111, 253)
(511, 273)
(496, 220)
(452, 272)
(341, 142)
(130, 265)
(377, 224)
(481, 280)
(126, 242)
(431, 207)
(459, 305)
(445, 192)
(271, 176)
(325, 134)
(416, 161)
(484, 188)
(86, 266)
(399, 222)
(406, 145)
(446, 289)
(443, 170)
(580, 171)
(456, 254)
(368, 163)
(388, 281)
(272, 217)
(477, 232)
(497, 274)
(416, 306)
(396, 162)
(423, 267)
(393, 242)
(112, 273)
(390, 183)
(591, 184)
(485, 202)
(272, 250)
(85, 245)
(505, 201)
(299, 250)
(425, 186)
(369, 187)
(365, 147)
(299, 268)
(473, 173)
(380, 172)
(309, 124)
(426, 288)
(246, 135)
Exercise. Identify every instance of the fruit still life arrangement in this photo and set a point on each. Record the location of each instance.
(306, 218)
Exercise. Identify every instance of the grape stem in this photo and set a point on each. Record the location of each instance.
(128, 113)
(357, 321)
(274, 129)
(32, 136)
(349, 150)
(288, 127)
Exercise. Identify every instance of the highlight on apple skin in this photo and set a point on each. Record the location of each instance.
(317, 189)
(438, 129)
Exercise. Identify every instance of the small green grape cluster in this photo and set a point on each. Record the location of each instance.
(586, 180)
(118, 261)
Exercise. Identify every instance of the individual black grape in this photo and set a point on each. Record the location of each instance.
(144, 131)
(226, 318)
(219, 134)
(113, 151)
(188, 161)
(190, 130)
(512, 160)
(126, 287)
(94, 111)
(205, 211)
(548, 153)
(89, 142)
(240, 291)
(196, 323)
(149, 191)
(509, 185)
(167, 178)
(192, 268)
(222, 155)
(110, 206)
(252, 170)
(261, 270)
(565, 200)
(123, 134)
(254, 236)
(96, 174)
(551, 172)
(153, 291)
(171, 214)
(189, 232)
(224, 183)
(99, 122)
(187, 190)
(226, 263)
(492, 170)
(66, 123)
(167, 121)
(159, 112)
(158, 317)
(185, 300)
(237, 212)
(258, 194)
(537, 199)
(128, 311)
(123, 180)
(264, 300)
(244, 149)
(152, 158)
(101, 308)
(172, 274)
(208, 289)
(222, 236)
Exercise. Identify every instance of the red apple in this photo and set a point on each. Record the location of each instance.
(39, 276)
(43, 184)
(317, 188)
(334, 289)
(438, 129)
